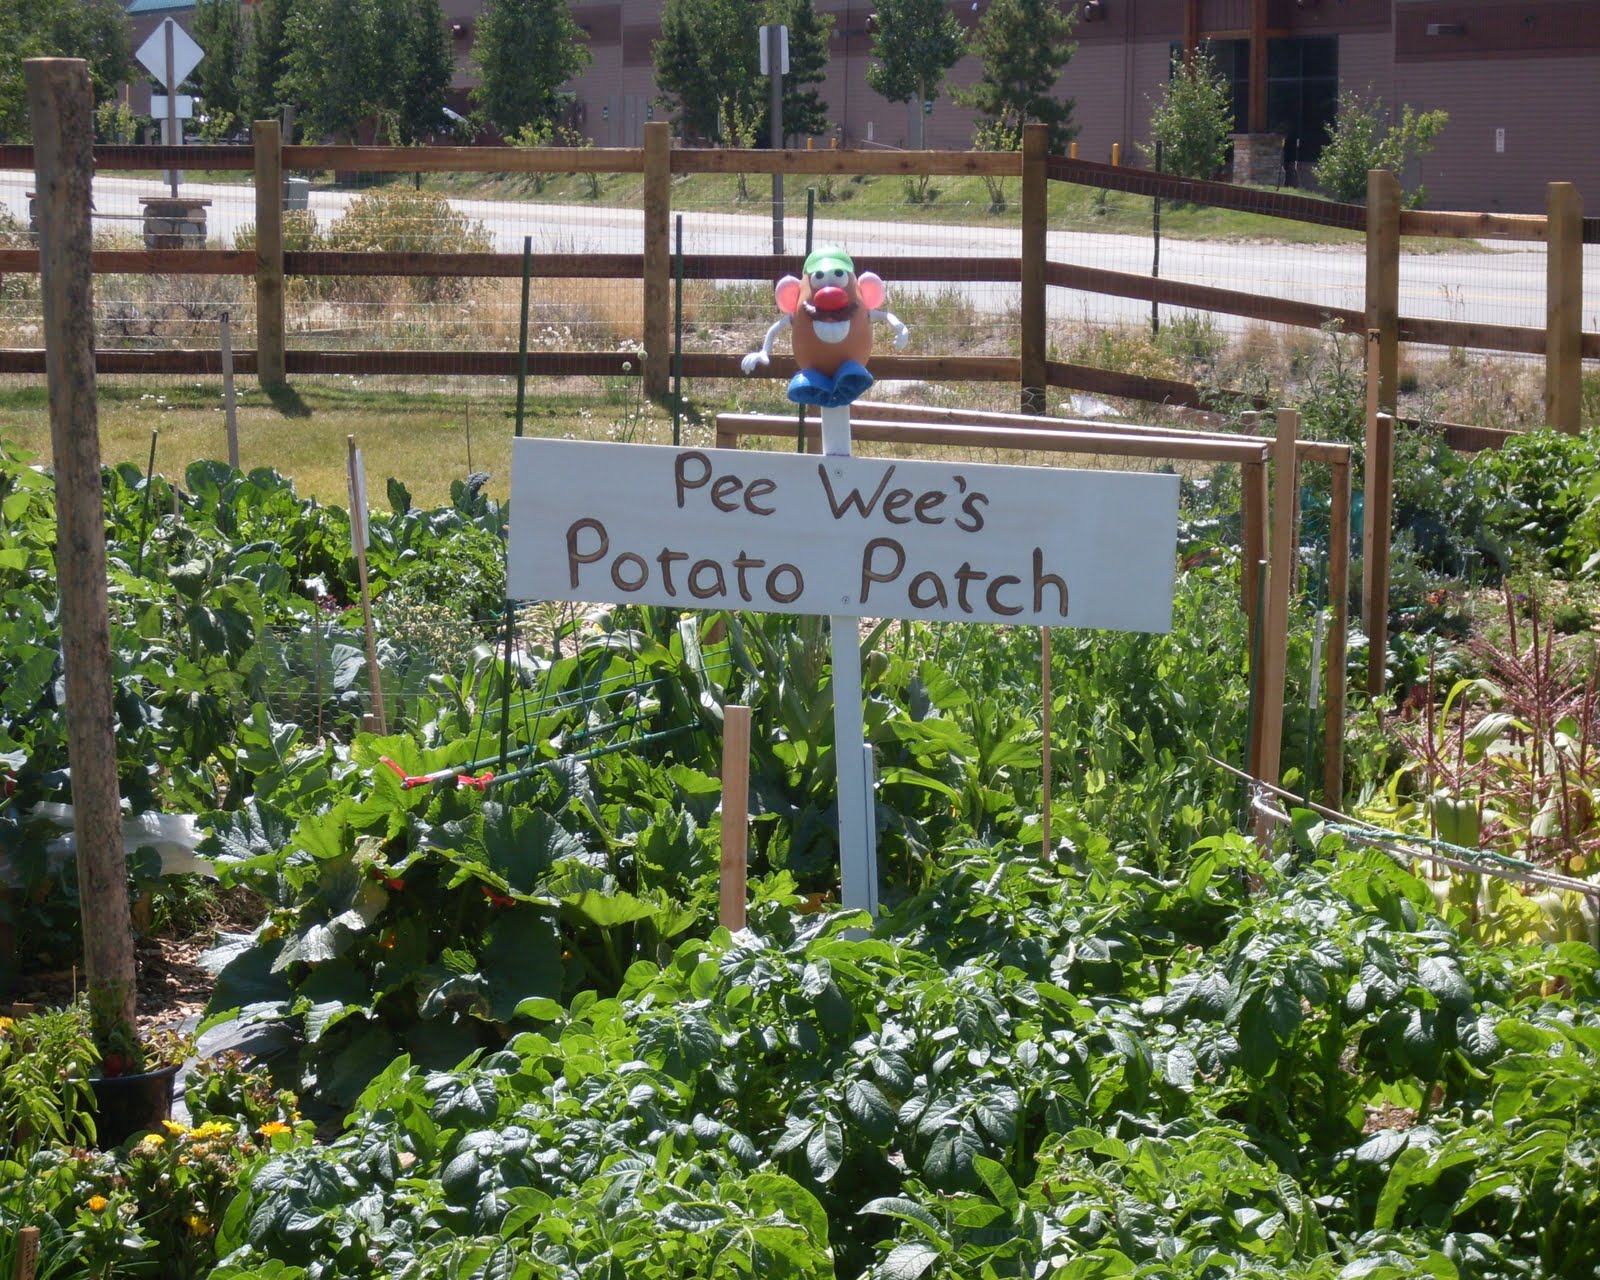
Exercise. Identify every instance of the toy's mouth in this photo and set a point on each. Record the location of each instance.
(844, 312)
(831, 331)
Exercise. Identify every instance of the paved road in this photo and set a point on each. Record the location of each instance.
(1502, 284)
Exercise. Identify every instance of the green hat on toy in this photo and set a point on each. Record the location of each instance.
(827, 258)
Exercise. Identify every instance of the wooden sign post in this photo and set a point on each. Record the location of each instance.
(858, 846)
(846, 537)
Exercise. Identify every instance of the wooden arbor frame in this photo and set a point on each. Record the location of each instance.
(906, 424)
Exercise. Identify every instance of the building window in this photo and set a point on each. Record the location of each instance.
(1302, 88)
(1302, 92)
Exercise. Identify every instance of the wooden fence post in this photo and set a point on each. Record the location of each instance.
(657, 257)
(60, 103)
(1035, 224)
(268, 140)
(1563, 349)
(1383, 279)
(1338, 628)
(1275, 640)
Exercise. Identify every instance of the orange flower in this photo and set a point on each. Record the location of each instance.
(97, 1203)
(272, 1129)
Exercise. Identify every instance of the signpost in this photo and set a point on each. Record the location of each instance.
(847, 537)
(170, 54)
(775, 63)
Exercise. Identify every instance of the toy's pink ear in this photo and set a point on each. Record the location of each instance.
(873, 293)
(788, 295)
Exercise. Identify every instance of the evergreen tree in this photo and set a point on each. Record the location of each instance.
(1023, 45)
(95, 30)
(804, 111)
(265, 62)
(708, 66)
(915, 43)
(524, 52)
(218, 29)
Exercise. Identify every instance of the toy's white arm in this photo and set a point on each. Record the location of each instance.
(902, 335)
(764, 356)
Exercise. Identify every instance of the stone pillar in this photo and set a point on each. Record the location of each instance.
(1258, 159)
(174, 222)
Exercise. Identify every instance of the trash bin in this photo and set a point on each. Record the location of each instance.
(296, 193)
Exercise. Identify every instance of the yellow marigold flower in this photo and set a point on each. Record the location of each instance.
(211, 1129)
(153, 1140)
(197, 1224)
(97, 1203)
(6, 1023)
(173, 1127)
(272, 1129)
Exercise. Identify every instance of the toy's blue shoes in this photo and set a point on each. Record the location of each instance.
(848, 385)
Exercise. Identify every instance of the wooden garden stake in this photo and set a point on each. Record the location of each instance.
(1253, 495)
(735, 814)
(1274, 656)
(27, 1253)
(1045, 725)
(358, 542)
(1338, 627)
(230, 404)
(59, 103)
(1379, 520)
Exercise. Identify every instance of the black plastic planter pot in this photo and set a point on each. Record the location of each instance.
(126, 1105)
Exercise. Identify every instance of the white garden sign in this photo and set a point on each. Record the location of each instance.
(847, 537)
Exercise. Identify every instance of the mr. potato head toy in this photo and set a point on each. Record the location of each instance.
(831, 310)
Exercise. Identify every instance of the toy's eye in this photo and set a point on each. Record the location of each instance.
(838, 273)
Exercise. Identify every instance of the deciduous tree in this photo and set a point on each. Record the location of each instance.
(1193, 119)
(95, 30)
(915, 43)
(1365, 135)
(524, 52)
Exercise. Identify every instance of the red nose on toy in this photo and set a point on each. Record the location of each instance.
(830, 299)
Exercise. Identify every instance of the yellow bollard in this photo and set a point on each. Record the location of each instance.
(1072, 151)
(1116, 153)
(809, 141)
(833, 143)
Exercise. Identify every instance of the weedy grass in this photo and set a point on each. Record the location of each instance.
(951, 201)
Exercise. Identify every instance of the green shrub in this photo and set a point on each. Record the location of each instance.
(46, 1059)
(401, 221)
(1192, 121)
(1365, 136)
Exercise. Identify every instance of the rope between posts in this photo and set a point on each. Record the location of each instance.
(1406, 848)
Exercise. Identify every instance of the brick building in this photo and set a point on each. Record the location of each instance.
(1520, 79)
